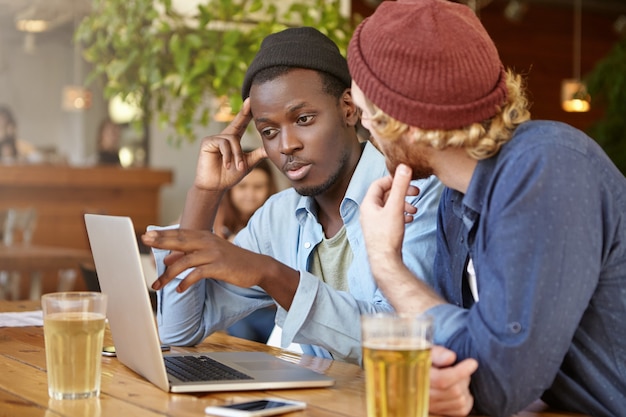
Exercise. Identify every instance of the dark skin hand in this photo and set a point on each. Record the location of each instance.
(221, 164)
(224, 150)
(214, 257)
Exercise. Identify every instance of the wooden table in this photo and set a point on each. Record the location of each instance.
(23, 384)
(33, 260)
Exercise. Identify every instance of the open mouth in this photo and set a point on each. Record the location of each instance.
(296, 173)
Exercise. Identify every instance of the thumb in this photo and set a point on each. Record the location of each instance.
(467, 366)
(442, 357)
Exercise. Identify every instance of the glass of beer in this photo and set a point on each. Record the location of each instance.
(396, 359)
(73, 325)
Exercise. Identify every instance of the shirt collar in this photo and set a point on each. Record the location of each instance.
(481, 178)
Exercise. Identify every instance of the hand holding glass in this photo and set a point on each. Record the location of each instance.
(396, 358)
(73, 332)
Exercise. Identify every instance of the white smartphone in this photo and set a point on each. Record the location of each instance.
(256, 408)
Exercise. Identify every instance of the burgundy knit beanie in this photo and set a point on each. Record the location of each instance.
(428, 63)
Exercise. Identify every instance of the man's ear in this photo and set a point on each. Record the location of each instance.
(350, 110)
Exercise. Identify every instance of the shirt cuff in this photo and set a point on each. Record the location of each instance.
(292, 321)
(448, 320)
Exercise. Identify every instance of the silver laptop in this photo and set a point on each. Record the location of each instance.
(131, 319)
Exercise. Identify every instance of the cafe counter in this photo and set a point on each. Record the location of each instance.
(62, 194)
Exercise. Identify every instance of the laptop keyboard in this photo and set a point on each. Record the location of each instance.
(201, 368)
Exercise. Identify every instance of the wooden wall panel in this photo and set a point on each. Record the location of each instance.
(541, 46)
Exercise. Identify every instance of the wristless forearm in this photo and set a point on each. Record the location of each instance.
(406, 292)
(200, 209)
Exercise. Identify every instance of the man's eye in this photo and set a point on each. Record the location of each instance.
(305, 119)
(268, 133)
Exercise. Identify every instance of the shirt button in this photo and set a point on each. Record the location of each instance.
(307, 245)
(515, 327)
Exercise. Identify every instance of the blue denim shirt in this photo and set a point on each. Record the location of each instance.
(323, 320)
(544, 223)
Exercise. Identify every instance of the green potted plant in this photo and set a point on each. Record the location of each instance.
(606, 84)
(172, 64)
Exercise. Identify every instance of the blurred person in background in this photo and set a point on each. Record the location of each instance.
(12, 149)
(242, 200)
(108, 143)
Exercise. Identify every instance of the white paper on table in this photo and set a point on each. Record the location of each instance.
(21, 319)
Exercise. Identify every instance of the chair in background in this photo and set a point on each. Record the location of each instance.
(6, 284)
(17, 226)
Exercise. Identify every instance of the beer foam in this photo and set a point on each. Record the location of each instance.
(397, 344)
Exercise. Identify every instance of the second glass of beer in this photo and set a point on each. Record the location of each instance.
(396, 359)
(73, 325)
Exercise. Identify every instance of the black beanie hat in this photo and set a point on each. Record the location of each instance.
(303, 47)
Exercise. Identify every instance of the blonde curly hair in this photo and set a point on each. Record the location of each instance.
(480, 140)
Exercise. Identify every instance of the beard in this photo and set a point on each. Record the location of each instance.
(398, 153)
(315, 190)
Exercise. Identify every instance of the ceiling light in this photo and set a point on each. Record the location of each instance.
(76, 98)
(574, 96)
(31, 25)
